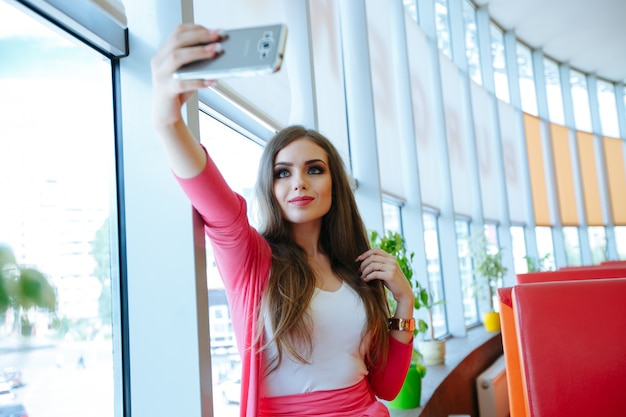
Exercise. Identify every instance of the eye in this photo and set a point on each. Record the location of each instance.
(316, 169)
(281, 173)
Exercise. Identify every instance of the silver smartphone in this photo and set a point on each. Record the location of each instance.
(246, 51)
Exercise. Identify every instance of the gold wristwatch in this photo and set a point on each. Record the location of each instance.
(405, 325)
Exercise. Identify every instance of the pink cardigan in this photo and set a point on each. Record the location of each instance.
(243, 258)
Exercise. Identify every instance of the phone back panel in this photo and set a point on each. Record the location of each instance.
(247, 51)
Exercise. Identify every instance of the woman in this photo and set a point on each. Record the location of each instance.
(307, 294)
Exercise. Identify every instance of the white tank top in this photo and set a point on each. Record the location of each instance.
(336, 360)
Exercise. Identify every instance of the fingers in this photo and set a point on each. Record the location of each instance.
(378, 264)
(187, 43)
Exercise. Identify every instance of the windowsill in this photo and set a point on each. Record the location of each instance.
(457, 348)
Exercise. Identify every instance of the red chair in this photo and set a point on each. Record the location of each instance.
(517, 394)
(573, 273)
(572, 338)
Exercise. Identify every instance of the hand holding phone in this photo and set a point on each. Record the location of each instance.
(245, 52)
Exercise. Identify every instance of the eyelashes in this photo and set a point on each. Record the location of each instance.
(312, 170)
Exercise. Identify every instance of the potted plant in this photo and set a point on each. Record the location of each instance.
(393, 243)
(432, 349)
(489, 270)
(23, 289)
(538, 265)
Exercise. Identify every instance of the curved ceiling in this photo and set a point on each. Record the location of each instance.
(588, 35)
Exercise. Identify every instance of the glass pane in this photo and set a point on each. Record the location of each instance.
(500, 77)
(491, 234)
(597, 242)
(392, 220)
(442, 24)
(57, 176)
(493, 246)
(572, 246)
(411, 8)
(526, 79)
(620, 238)
(545, 248)
(519, 249)
(435, 281)
(553, 91)
(222, 143)
(472, 51)
(608, 109)
(470, 299)
(580, 99)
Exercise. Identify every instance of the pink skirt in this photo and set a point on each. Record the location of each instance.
(355, 401)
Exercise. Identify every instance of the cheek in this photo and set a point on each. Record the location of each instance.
(279, 193)
(327, 193)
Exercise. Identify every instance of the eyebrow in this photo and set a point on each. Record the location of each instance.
(309, 162)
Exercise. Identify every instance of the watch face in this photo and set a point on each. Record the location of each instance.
(407, 325)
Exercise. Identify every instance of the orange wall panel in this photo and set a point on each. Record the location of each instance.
(538, 185)
(616, 174)
(564, 175)
(590, 182)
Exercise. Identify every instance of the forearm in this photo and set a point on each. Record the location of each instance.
(404, 310)
(186, 156)
(386, 380)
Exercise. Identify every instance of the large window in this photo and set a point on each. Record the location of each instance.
(553, 91)
(466, 273)
(518, 240)
(498, 60)
(493, 246)
(580, 99)
(435, 278)
(411, 8)
(57, 176)
(620, 238)
(223, 143)
(545, 248)
(597, 241)
(572, 246)
(526, 79)
(392, 217)
(442, 22)
(472, 51)
(607, 107)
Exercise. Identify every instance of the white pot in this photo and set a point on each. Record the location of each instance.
(433, 351)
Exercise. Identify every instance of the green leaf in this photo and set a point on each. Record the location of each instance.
(35, 290)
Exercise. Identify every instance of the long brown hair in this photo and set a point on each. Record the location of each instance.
(343, 237)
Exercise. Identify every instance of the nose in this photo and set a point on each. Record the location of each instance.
(299, 182)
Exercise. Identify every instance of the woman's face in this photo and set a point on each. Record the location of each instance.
(302, 182)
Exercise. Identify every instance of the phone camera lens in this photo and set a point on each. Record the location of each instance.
(265, 45)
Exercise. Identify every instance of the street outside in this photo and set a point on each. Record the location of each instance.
(58, 383)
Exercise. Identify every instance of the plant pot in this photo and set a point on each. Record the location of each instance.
(433, 351)
(410, 395)
(491, 320)
(26, 329)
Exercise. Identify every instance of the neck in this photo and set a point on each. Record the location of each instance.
(307, 236)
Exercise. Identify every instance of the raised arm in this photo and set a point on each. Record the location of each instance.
(187, 43)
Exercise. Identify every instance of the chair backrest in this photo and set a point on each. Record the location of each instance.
(573, 273)
(572, 338)
(515, 385)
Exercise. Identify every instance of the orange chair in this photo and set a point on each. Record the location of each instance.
(572, 339)
(515, 386)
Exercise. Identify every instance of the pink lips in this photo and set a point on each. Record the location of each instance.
(301, 201)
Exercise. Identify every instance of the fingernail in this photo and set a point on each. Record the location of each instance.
(222, 34)
(218, 48)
